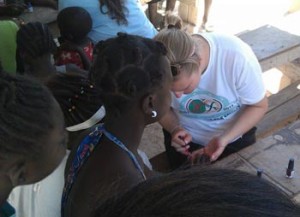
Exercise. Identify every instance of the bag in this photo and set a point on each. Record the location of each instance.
(12, 8)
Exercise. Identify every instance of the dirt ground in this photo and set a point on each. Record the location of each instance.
(152, 141)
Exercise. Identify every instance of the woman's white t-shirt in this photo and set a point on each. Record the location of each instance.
(233, 79)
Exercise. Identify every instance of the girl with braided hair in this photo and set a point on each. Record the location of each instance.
(32, 134)
(79, 100)
(82, 108)
(112, 16)
(134, 86)
(207, 192)
(35, 45)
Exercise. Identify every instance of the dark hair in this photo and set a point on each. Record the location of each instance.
(27, 111)
(77, 97)
(205, 192)
(35, 39)
(115, 10)
(74, 23)
(125, 68)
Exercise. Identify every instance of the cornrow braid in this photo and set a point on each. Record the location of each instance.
(26, 115)
(131, 72)
(35, 39)
(115, 10)
(76, 95)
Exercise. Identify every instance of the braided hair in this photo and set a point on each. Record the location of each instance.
(27, 111)
(132, 72)
(203, 191)
(77, 97)
(35, 39)
(115, 10)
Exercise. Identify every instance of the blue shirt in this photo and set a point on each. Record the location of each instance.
(104, 27)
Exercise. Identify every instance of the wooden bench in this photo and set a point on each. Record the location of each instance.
(284, 108)
(271, 155)
(273, 47)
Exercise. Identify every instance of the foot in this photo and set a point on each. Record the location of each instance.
(206, 27)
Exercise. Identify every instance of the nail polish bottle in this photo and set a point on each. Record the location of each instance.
(290, 170)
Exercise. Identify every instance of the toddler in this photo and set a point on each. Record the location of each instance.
(76, 48)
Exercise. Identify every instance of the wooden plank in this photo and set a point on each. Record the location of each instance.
(284, 95)
(268, 40)
(279, 117)
(271, 154)
(272, 46)
(291, 70)
(281, 58)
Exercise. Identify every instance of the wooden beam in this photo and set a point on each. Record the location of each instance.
(272, 46)
(284, 108)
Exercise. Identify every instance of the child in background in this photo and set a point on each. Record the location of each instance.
(32, 135)
(74, 24)
(35, 46)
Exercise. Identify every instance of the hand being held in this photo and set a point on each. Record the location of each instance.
(213, 150)
(180, 140)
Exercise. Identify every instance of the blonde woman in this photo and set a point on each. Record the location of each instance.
(218, 95)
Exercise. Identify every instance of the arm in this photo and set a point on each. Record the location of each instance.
(180, 136)
(85, 60)
(247, 119)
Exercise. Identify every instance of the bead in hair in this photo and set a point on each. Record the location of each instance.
(76, 96)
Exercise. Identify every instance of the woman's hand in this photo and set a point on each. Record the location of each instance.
(180, 140)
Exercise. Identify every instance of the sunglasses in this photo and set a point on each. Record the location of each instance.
(175, 69)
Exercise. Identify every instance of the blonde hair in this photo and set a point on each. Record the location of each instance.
(172, 19)
(182, 50)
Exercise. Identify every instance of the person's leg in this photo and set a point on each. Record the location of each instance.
(170, 5)
(207, 6)
(204, 27)
(152, 10)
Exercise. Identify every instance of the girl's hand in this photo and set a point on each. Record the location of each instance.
(213, 149)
